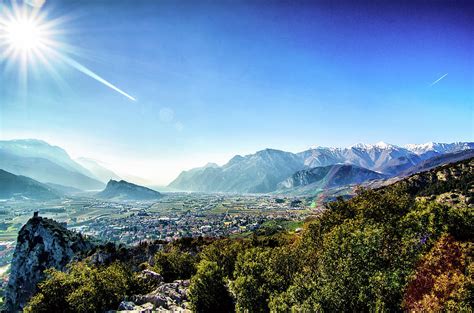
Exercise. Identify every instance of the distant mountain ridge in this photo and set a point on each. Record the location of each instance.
(15, 186)
(122, 190)
(99, 171)
(264, 170)
(45, 163)
(255, 173)
(35, 148)
(329, 177)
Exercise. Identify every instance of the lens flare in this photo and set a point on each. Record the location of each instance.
(27, 39)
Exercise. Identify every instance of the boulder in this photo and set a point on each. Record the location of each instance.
(151, 278)
(167, 296)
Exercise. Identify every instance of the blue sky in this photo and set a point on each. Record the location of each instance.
(218, 78)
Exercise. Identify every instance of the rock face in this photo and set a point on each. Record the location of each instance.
(42, 243)
(122, 190)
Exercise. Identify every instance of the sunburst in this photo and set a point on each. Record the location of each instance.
(29, 40)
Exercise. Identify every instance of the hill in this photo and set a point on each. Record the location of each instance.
(122, 190)
(14, 186)
(439, 160)
(332, 176)
(455, 179)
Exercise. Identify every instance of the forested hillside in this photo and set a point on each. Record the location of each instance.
(405, 247)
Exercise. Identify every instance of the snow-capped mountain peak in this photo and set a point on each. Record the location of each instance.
(435, 147)
(264, 170)
(421, 147)
(384, 145)
(380, 145)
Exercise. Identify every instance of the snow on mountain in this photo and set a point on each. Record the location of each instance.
(379, 145)
(262, 171)
(430, 149)
(371, 156)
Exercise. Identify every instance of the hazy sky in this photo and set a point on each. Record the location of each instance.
(215, 79)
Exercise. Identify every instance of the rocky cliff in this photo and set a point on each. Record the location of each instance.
(123, 190)
(42, 243)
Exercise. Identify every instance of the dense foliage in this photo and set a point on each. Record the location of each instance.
(83, 288)
(366, 254)
(382, 250)
(175, 264)
(208, 291)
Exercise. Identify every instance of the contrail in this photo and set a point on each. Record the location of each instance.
(436, 81)
(78, 66)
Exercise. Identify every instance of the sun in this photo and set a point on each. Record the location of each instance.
(30, 41)
(23, 35)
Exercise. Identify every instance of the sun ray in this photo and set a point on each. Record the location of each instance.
(28, 39)
(78, 66)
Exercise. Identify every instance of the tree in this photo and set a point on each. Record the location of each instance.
(83, 288)
(175, 264)
(208, 291)
(224, 252)
(261, 273)
(443, 279)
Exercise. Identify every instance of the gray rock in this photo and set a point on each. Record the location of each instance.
(151, 278)
(167, 296)
(126, 306)
(42, 243)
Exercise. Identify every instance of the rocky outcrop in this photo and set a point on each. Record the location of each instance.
(42, 243)
(167, 297)
(122, 190)
(150, 278)
(129, 306)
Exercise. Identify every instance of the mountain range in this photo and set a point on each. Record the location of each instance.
(51, 164)
(265, 171)
(270, 170)
(99, 171)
